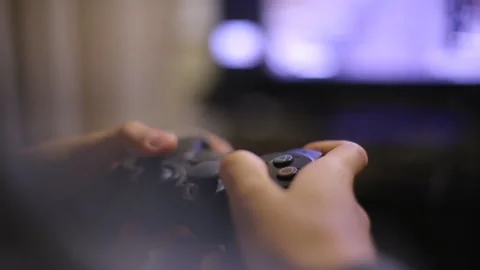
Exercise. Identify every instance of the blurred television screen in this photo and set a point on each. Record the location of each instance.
(396, 41)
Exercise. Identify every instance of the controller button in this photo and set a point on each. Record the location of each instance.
(282, 161)
(287, 173)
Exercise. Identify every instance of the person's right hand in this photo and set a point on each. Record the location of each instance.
(315, 224)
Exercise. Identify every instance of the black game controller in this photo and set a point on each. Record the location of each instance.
(184, 187)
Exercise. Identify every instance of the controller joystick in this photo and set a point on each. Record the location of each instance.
(185, 187)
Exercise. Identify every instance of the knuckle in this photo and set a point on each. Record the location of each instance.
(127, 133)
(128, 128)
(357, 151)
(129, 125)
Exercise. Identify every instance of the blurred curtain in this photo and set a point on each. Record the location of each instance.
(83, 65)
(9, 129)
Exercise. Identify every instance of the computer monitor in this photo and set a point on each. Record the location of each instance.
(396, 41)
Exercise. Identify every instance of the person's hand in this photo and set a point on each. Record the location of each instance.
(68, 164)
(315, 224)
(60, 168)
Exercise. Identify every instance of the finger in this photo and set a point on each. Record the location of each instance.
(217, 143)
(246, 177)
(102, 148)
(137, 139)
(341, 163)
(347, 152)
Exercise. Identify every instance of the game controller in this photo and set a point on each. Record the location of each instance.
(184, 187)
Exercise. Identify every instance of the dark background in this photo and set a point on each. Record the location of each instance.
(421, 185)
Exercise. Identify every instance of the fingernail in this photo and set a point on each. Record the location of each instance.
(161, 140)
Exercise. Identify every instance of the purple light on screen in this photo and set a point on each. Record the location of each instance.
(306, 60)
(460, 64)
(396, 40)
(237, 44)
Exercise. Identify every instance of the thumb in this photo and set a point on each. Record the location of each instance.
(246, 177)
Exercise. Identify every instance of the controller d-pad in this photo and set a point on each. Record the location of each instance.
(282, 161)
(287, 173)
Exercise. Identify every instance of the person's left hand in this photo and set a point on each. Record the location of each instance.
(87, 157)
(65, 166)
